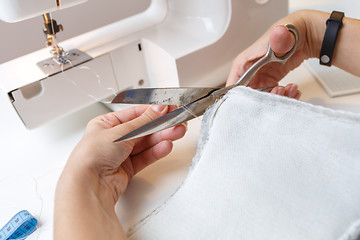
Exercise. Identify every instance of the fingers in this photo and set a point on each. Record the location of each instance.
(290, 90)
(121, 122)
(281, 40)
(279, 90)
(243, 62)
(112, 119)
(149, 156)
(150, 114)
(171, 134)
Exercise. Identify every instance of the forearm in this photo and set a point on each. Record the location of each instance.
(347, 50)
(84, 208)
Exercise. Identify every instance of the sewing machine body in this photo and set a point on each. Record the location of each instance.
(172, 43)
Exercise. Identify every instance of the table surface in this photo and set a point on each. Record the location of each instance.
(31, 161)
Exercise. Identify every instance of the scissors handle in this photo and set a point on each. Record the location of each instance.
(269, 57)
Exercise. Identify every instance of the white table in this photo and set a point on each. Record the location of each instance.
(31, 161)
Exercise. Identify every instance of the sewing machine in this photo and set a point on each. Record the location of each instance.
(171, 43)
(193, 43)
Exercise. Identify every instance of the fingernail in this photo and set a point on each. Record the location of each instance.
(182, 125)
(185, 125)
(281, 91)
(274, 90)
(293, 91)
(287, 88)
(158, 108)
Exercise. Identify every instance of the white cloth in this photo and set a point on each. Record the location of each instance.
(267, 167)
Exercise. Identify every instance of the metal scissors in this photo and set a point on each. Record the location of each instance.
(192, 101)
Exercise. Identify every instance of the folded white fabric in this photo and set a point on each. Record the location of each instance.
(267, 167)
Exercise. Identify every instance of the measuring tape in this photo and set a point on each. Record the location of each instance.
(19, 227)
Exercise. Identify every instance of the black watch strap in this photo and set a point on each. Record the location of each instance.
(333, 25)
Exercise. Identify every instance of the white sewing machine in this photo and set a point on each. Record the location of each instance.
(171, 43)
(183, 42)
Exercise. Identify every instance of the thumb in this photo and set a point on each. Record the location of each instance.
(281, 40)
(150, 114)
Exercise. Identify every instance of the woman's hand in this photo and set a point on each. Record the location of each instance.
(99, 170)
(116, 163)
(281, 41)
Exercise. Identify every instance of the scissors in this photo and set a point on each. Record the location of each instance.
(192, 101)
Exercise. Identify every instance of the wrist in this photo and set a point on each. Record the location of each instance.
(83, 183)
(315, 29)
(87, 166)
(82, 204)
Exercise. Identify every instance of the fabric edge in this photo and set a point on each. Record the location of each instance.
(293, 103)
(205, 133)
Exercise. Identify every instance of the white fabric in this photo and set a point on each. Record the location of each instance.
(267, 167)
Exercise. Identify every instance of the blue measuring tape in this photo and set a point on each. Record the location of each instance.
(19, 227)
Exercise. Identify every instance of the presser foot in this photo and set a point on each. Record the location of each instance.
(54, 65)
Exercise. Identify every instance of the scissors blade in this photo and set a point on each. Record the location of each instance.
(180, 115)
(162, 96)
